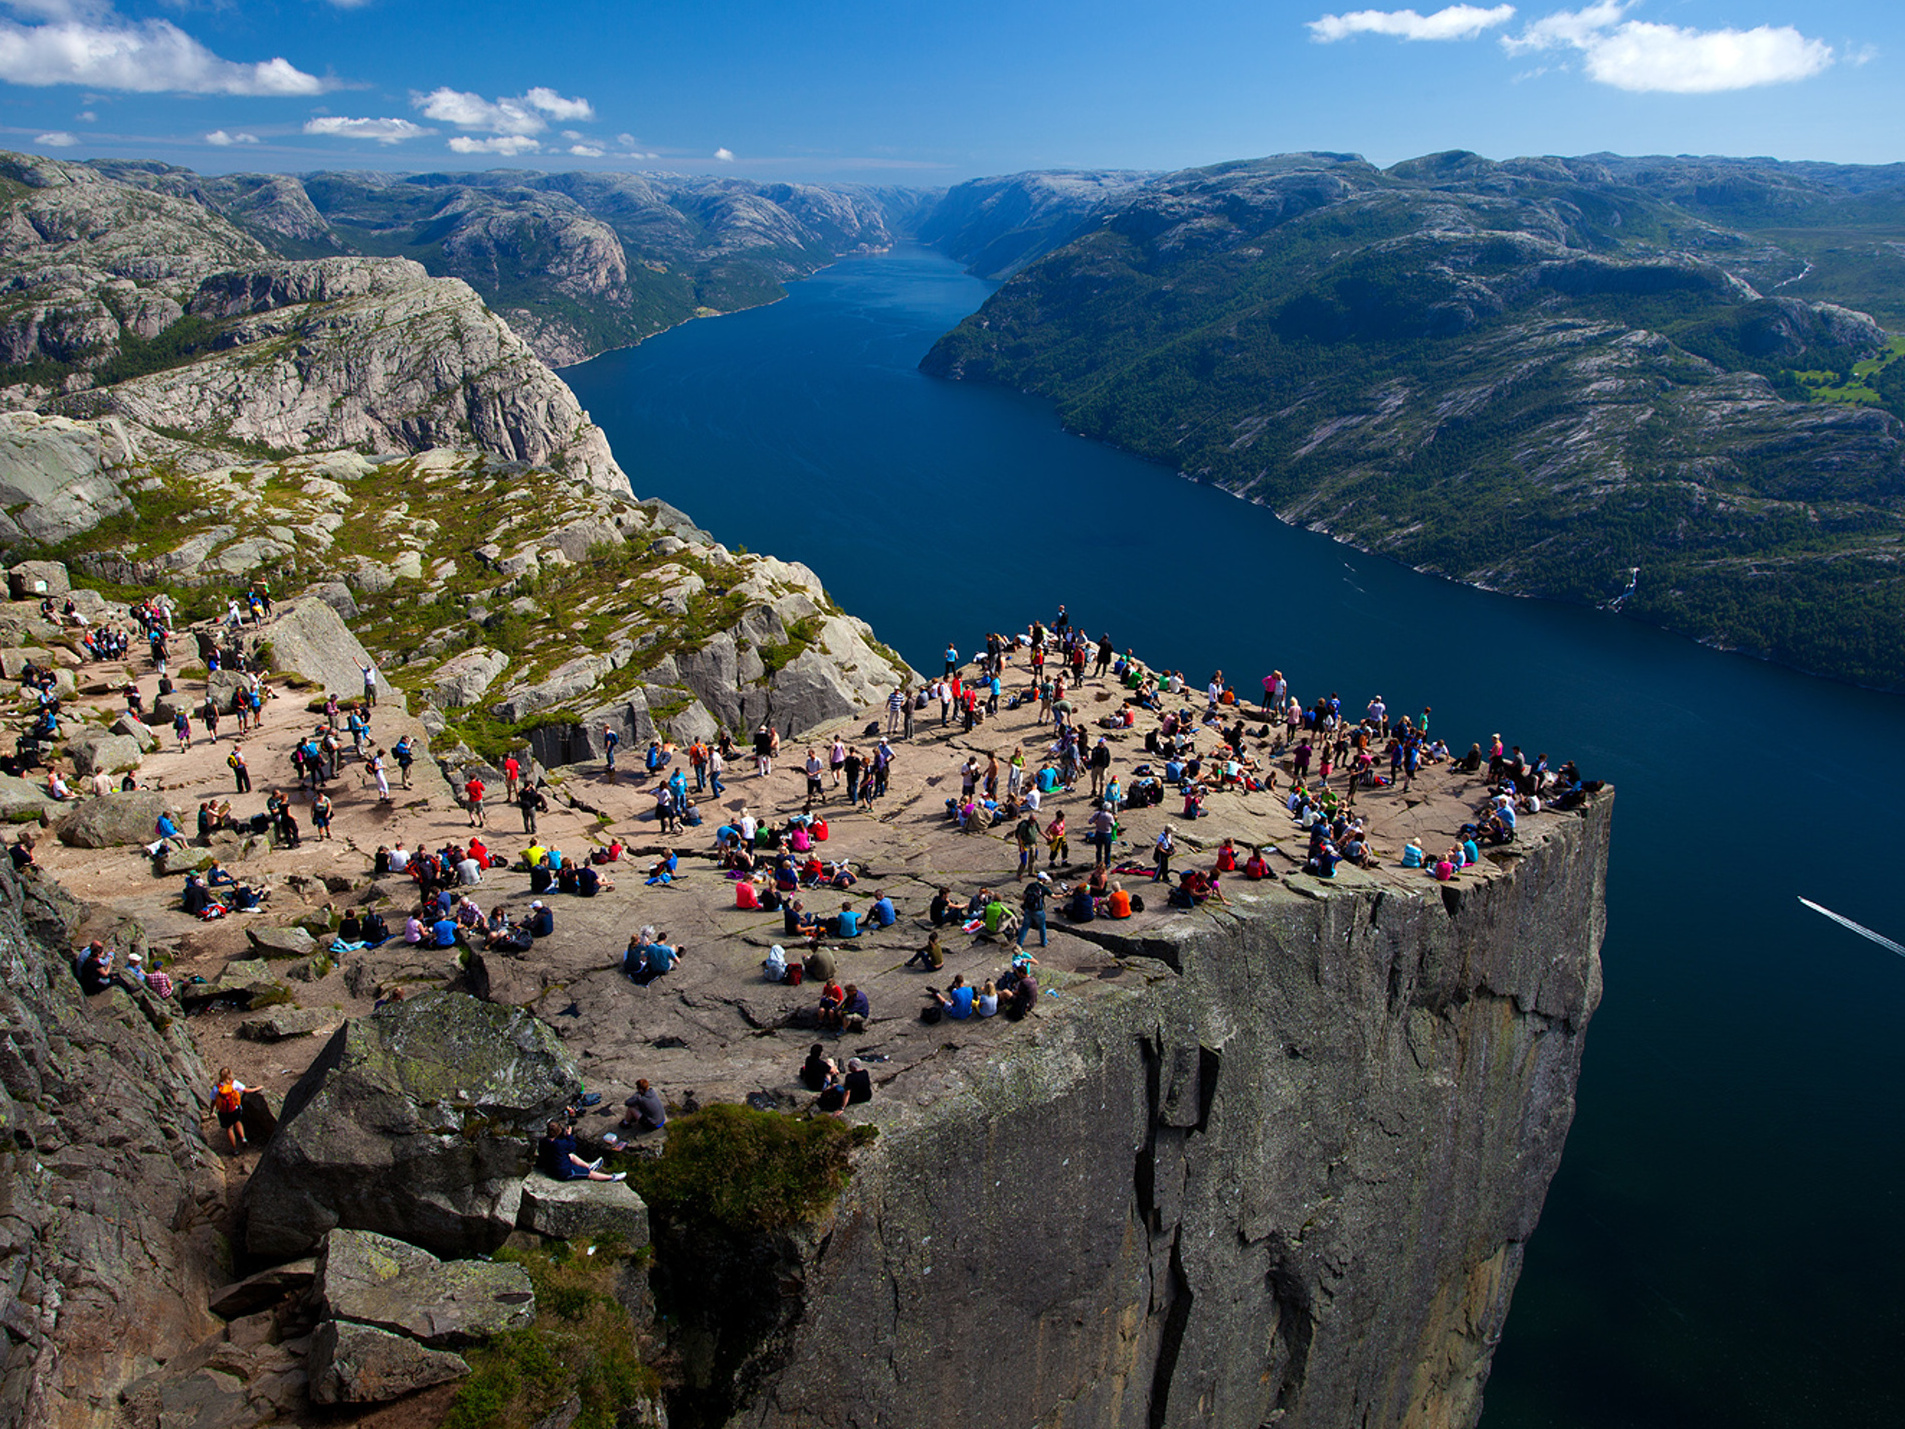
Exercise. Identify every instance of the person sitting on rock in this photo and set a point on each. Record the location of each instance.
(957, 999)
(195, 898)
(833, 1096)
(557, 1156)
(95, 969)
(858, 1082)
(644, 1112)
(818, 1067)
(1257, 866)
(542, 922)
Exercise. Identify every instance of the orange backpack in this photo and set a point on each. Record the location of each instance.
(227, 1097)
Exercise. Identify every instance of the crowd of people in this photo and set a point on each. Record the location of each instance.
(1082, 778)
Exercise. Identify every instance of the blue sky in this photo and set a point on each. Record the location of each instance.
(928, 94)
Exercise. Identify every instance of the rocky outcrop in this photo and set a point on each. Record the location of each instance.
(416, 1122)
(59, 477)
(113, 819)
(358, 1364)
(309, 637)
(1284, 1176)
(369, 353)
(110, 1242)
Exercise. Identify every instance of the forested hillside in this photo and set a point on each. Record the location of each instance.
(1535, 375)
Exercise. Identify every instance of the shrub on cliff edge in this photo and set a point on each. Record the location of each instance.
(748, 1170)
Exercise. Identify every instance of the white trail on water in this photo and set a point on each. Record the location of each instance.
(1859, 928)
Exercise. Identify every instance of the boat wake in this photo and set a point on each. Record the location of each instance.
(1859, 928)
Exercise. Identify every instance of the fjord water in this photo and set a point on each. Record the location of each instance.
(1723, 1243)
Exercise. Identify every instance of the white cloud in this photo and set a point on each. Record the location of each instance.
(556, 107)
(221, 138)
(504, 144)
(98, 48)
(1645, 57)
(57, 139)
(522, 115)
(586, 151)
(384, 131)
(1454, 22)
(86, 116)
(726, 156)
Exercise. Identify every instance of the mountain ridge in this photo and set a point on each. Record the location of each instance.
(1531, 375)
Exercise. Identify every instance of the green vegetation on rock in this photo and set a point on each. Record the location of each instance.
(746, 1170)
(1534, 376)
(582, 1346)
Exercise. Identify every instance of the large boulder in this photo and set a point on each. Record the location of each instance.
(461, 680)
(417, 1122)
(36, 580)
(291, 942)
(114, 819)
(58, 477)
(22, 801)
(446, 1304)
(564, 1210)
(279, 1024)
(309, 637)
(137, 730)
(94, 749)
(355, 1364)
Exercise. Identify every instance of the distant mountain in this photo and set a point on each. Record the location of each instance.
(577, 263)
(1533, 376)
(996, 226)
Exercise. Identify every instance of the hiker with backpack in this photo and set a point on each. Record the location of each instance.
(228, 1104)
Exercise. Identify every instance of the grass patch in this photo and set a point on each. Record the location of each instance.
(748, 1170)
(582, 1343)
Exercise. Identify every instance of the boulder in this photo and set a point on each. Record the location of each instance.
(167, 708)
(266, 1288)
(461, 680)
(221, 686)
(15, 658)
(446, 1304)
(416, 1122)
(355, 1364)
(259, 1110)
(177, 860)
(565, 1210)
(292, 942)
(309, 637)
(22, 801)
(242, 980)
(335, 594)
(94, 749)
(496, 978)
(114, 819)
(36, 580)
(278, 1024)
(137, 730)
(58, 476)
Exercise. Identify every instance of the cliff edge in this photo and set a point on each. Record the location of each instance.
(1281, 1171)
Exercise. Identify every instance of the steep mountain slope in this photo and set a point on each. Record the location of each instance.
(1533, 375)
(578, 262)
(119, 301)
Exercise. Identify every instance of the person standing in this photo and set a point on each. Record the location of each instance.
(763, 752)
(377, 773)
(610, 739)
(236, 760)
(529, 801)
(405, 755)
(715, 765)
(895, 708)
(1161, 855)
(473, 793)
(512, 772)
(228, 1104)
(370, 683)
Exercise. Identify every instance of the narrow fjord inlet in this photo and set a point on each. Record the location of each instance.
(1717, 1247)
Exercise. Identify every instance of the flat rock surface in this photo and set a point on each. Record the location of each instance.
(357, 1364)
(713, 1027)
(564, 1210)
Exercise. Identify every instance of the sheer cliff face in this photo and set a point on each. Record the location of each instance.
(109, 1195)
(1285, 1178)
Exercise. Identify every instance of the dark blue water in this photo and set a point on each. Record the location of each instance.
(1722, 1243)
